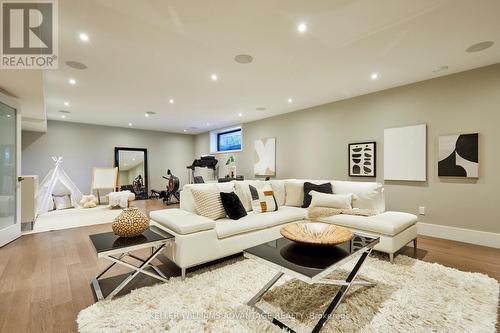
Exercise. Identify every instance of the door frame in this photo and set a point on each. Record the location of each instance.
(13, 232)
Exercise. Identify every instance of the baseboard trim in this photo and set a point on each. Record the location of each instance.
(470, 236)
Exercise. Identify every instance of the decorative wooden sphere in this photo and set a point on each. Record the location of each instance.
(130, 223)
(316, 233)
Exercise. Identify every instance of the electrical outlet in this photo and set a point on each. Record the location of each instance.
(421, 210)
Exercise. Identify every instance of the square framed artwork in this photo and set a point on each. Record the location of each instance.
(405, 153)
(265, 157)
(459, 155)
(362, 159)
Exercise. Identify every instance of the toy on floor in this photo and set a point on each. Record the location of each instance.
(89, 201)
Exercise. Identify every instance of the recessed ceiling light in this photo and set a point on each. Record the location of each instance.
(129, 124)
(240, 115)
(208, 124)
(66, 103)
(290, 100)
(133, 158)
(76, 65)
(63, 116)
(214, 77)
(185, 130)
(374, 76)
(243, 58)
(84, 37)
(480, 46)
(171, 101)
(72, 81)
(260, 108)
(8, 116)
(302, 27)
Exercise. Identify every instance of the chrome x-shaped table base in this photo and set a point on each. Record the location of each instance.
(344, 287)
(146, 263)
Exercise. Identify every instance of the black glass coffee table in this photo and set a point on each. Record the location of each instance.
(113, 248)
(312, 264)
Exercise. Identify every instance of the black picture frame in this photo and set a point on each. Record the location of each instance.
(146, 174)
(372, 145)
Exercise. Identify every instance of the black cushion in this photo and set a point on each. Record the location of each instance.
(308, 187)
(232, 205)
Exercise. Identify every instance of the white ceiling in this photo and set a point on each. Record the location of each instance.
(142, 53)
(27, 87)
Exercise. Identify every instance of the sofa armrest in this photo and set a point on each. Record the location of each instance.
(181, 221)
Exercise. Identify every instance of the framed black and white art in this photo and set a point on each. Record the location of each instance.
(362, 159)
(459, 155)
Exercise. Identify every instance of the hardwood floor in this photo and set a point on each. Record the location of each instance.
(44, 277)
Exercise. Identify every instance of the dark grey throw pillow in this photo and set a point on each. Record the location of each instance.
(232, 205)
(308, 187)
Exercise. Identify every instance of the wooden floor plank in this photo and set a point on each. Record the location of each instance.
(45, 277)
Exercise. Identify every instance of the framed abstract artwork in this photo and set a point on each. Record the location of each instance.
(405, 153)
(265, 157)
(362, 159)
(459, 155)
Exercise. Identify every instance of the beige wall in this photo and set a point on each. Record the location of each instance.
(86, 146)
(312, 143)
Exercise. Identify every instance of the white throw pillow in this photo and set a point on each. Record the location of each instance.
(340, 201)
(294, 193)
(208, 203)
(62, 202)
(369, 195)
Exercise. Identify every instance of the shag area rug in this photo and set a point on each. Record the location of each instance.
(410, 296)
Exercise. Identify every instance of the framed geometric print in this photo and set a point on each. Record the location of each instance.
(265, 157)
(362, 159)
(458, 155)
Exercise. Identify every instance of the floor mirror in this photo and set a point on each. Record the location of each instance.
(132, 166)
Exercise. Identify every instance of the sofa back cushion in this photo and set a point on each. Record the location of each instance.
(278, 186)
(294, 192)
(187, 199)
(369, 195)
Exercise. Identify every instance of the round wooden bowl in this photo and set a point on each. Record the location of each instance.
(316, 233)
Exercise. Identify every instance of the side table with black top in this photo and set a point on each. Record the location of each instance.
(115, 249)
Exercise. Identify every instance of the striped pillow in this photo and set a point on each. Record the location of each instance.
(208, 203)
(263, 199)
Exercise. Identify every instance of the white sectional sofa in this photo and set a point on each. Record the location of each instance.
(199, 239)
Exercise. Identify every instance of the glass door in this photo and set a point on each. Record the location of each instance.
(10, 226)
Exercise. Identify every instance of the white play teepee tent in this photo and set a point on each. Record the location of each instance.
(57, 182)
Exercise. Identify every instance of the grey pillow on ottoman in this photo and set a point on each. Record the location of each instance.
(308, 187)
